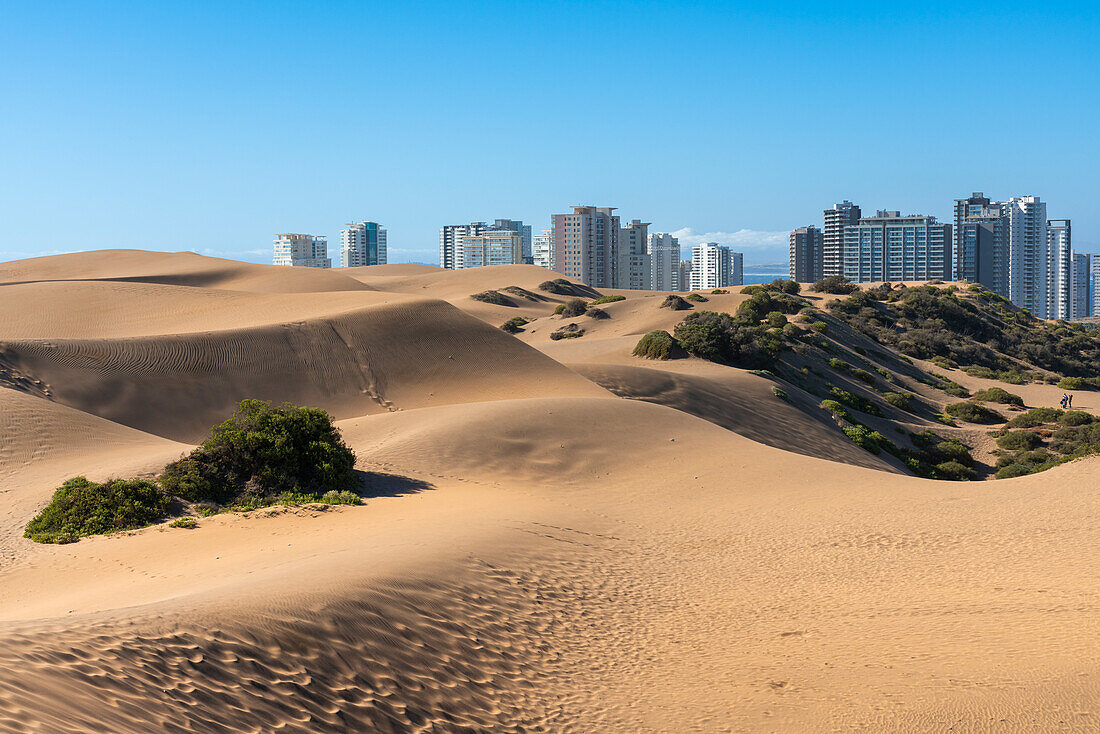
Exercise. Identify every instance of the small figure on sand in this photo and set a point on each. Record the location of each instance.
(1065, 401)
(1069, 401)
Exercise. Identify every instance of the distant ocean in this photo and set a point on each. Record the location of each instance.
(755, 278)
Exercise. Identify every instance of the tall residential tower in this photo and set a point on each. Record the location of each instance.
(837, 219)
(363, 243)
(302, 250)
(586, 245)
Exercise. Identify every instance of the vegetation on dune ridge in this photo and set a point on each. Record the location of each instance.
(608, 299)
(657, 344)
(515, 324)
(493, 297)
(262, 455)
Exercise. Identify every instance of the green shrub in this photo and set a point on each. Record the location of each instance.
(261, 452)
(998, 395)
(557, 286)
(945, 419)
(780, 393)
(493, 297)
(863, 375)
(80, 508)
(1019, 440)
(608, 299)
(559, 309)
(955, 471)
(865, 438)
(187, 523)
(719, 292)
(899, 400)
(656, 345)
(597, 313)
(1075, 418)
(343, 497)
(940, 361)
(697, 298)
(573, 307)
(750, 290)
(956, 390)
(676, 303)
(776, 320)
(838, 364)
(719, 337)
(1073, 383)
(569, 331)
(973, 413)
(855, 401)
(514, 325)
(835, 284)
(790, 287)
(1014, 470)
(1035, 417)
(980, 371)
(515, 290)
(820, 327)
(838, 410)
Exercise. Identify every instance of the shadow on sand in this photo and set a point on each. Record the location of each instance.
(374, 484)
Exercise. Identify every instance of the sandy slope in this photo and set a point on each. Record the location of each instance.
(537, 554)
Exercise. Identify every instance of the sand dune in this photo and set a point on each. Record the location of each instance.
(677, 552)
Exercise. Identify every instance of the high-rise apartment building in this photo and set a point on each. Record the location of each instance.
(889, 246)
(683, 277)
(542, 249)
(633, 270)
(807, 255)
(524, 232)
(837, 219)
(981, 243)
(1081, 286)
(301, 250)
(363, 243)
(715, 266)
(1059, 275)
(449, 236)
(1094, 284)
(1026, 219)
(491, 247)
(586, 245)
(664, 261)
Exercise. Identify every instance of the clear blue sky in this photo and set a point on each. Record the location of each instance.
(211, 126)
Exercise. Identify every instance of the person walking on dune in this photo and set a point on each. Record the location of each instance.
(1062, 402)
(1069, 401)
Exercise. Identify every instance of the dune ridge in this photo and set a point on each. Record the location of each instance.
(556, 536)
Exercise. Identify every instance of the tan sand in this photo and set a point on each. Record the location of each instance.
(560, 539)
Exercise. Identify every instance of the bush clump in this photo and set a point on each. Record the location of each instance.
(608, 299)
(1073, 383)
(1035, 417)
(820, 327)
(955, 471)
(676, 303)
(973, 413)
(719, 337)
(656, 345)
(835, 284)
(557, 286)
(569, 331)
(187, 523)
(597, 313)
(1075, 418)
(1019, 441)
(719, 292)
(1014, 470)
(904, 401)
(262, 452)
(494, 297)
(999, 395)
(515, 324)
(80, 508)
(697, 298)
(573, 307)
(342, 497)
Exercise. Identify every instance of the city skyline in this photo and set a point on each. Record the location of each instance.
(192, 115)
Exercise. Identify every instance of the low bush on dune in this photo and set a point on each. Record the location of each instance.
(557, 286)
(719, 337)
(676, 303)
(81, 508)
(904, 401)
(820, 327)
(656, 345)
(493, 297)
(1075, 418)
(1073, 383)
(834, 284)
(573, 307)
(999, 395)
(955, 471)
(973, 413)
(597, 313)
(515, 290)
(515, 324)
(719, 292)
(1019, 441)
(608, 299)
(569, 331)
(262, 452)
(696, 298)
(1035, 417)
(186, 523)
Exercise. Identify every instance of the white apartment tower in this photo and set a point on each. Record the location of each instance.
(682, 281)
(542, 249)
(664, 261)
(837, 219)
(1026, 221)
(1059, 275)
(634, 261)
(492, 247)
(301, 251)
(363, 243)
(715, 266)
(449, 236)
